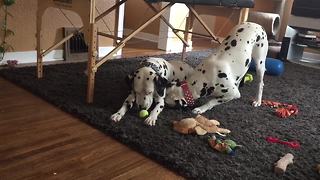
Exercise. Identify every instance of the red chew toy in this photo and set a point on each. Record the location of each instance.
(282, 110)
(292, 144)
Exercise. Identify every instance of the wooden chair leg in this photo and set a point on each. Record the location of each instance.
(244, 12)
(188, 26)
(39, 51)
(92, 54)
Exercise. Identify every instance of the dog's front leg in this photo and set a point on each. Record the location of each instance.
(234, 94)
(128, 103)
(151, 120)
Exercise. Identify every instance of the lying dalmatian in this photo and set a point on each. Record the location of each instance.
(149, 84)
(219, 75)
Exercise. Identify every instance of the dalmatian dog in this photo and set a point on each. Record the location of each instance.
(149, 84)
(218, 76)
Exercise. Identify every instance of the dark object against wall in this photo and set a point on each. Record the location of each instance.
(306, 8)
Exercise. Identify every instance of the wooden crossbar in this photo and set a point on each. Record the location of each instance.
(197, 16)
(131, 35)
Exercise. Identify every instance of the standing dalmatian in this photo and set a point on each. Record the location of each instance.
(219, 75)
(149, 84)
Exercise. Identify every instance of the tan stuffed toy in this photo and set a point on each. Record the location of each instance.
(200, 125)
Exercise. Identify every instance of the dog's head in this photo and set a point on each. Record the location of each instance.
(174, 95)
(145, 82)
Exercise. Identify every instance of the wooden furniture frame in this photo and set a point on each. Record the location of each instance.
(91, 33)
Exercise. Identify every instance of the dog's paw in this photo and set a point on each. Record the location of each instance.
(197, 111)
(116, 117)
(256, 103)
(151, 121)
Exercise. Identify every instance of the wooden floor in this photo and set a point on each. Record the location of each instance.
(39, 141)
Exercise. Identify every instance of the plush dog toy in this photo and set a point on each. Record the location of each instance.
(199, 125)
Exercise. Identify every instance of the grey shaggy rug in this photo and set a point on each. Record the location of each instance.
(64, 85)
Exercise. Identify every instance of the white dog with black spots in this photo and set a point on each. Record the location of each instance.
(149, 84)
(218, 76)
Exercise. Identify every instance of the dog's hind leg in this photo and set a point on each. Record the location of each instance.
(232, 93)
(259, 55)
(128, 103)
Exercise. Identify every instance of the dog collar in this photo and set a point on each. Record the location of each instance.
(187, 93)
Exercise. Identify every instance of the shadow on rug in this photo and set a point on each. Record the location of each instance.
(190, 155)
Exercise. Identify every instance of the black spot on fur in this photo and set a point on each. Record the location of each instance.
(227, 48)
(185, 77)
(258, 38)
(261, 44)
(260, 62)
(248, 42)
(181, 69)
(165, 66)
(258, 45)
(204, 71)
(234, 43)
(161, 106)
(194, 83)
(240, 30)
(151, 72)
(220, 101)
(247, 62)
(224, 90)
(227, 38)
(222, 75)
(203, 92)
(205, 84)
(165, 73)
(137, 72)
(237, 78)
(210, 91)
(220, 97)
(173, 73)
(226, 43)
(221, 85)
(139, 77)
(217, 84)
(148, 79)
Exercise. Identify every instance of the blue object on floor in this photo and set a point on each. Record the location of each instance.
(274, 67)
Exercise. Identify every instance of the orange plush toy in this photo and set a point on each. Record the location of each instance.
(199, 125)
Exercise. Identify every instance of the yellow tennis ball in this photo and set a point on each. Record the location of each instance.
(143, 113)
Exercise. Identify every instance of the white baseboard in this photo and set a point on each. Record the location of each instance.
(31, 56)
(143, 35)
(106, 49)
(55, 55)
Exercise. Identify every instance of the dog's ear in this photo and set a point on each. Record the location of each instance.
(160, 84)
(129, 79)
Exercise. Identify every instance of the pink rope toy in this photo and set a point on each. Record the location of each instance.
(291, 144)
